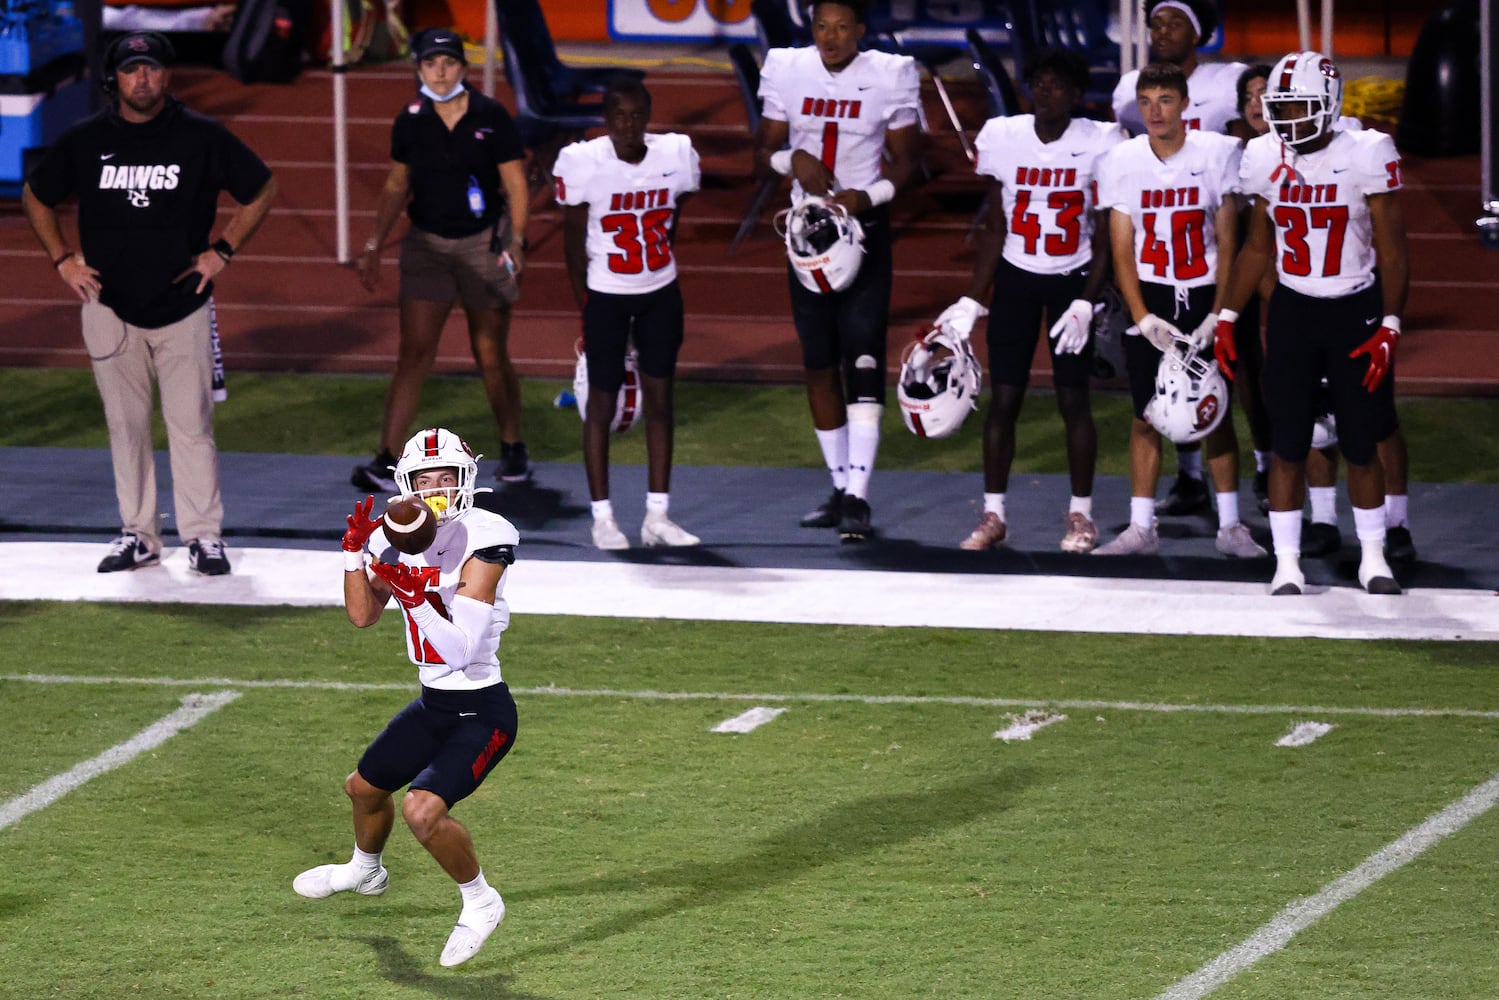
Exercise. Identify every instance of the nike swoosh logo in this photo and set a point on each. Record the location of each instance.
(442, 552)
(866, 87)
(1083, 153)
(1196, 173)
(106, 156)
(1370, 322)
(465, 715)
(1341, 170)
(667, 173)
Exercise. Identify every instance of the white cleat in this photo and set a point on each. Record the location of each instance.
(1375, 574)
(1132, 541)
(1236, 541)
(325, 880)
(607, 536)
(475, 924)
(1289, 580)
(658, 529)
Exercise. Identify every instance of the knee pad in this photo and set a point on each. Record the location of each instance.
(865, 376)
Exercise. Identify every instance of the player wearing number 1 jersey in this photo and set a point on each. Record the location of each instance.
(1040, 255)
(839, 109)
(1325, 207)
(1174, 217)
(622, 194)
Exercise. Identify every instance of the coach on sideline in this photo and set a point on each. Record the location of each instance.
(147, 173)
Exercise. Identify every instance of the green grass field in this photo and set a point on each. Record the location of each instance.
(849, 848)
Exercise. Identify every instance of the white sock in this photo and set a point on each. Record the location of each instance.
(1369, 524)
(1285, 533)
(1081, 505)
(603, 510)
(1142, 511)
(657, 503)
(863, 444)
(1396, 510)
(1190, 462)
(1228, 509)
(994, 503)
(1324, 504)
(475, 891)
(1261, 460)
(362, 862)
(834, 444)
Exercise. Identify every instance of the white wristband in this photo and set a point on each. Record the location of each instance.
(880, 192)
(780, 161)
(1391, 322)
(353, 562)
(1227, 316)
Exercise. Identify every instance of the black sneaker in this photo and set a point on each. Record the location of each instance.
(855, 525)
(1398, 546)
(1188, 496)
(128, 552)
(378, 476)
(515, 464)
(1319, 540)
(1262, 491)
(828, 515)
(206, 556)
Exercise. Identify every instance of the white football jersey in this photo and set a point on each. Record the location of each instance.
(1212, 98)
(1048, 188)
(1319, 204)
(456, 541)
(840, 118)
(630, 208)
(1172, 203)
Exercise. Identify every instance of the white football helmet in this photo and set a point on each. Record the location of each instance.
(627, 408)
(1303, 98)
(436, 448)
(939, 383)
(823, 242)
(1191, 395)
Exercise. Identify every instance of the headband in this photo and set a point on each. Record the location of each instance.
(1191, 15)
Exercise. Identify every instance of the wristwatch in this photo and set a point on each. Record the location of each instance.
(221, 247)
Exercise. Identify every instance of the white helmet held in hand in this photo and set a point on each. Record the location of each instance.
(437, 448)
(939, 383)
(1191, 395)
(627, 407)
(823, 242)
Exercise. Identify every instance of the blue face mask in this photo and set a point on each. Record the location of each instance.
(456, 92)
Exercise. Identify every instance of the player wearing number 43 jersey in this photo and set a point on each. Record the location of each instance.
(1325, 208)
(622, 194)
(839, 109)
(1040, 255)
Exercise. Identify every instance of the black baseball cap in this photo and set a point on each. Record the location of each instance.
(140, 46)
(438, 42)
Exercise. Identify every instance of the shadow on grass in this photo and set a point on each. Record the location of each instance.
(848, 830)
(464, 983)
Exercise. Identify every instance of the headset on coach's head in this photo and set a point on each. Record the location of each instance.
(153, 45)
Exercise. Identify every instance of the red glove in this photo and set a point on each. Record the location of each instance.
(1381, 351)
(1224, 351)
(361, 526)
(407, 583)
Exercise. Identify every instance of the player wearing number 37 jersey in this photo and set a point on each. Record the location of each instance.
(622, 193)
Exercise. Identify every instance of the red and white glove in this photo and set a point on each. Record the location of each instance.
(1381, 351)
(1225, 352)
(1162, 334)
(407, 583)
(958, 318)
(361, 526)
(1071, 331)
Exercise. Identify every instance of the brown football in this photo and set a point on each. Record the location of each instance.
(410, 525)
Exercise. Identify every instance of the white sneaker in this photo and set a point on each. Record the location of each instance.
(1132, 541)
(658, 529)
(325, 880)
(1235, 540)
(475, 924)
(607, 536)
(1375, 574)
(1289, 580)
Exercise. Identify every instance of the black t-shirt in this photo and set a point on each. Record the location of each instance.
(147, 197)
(441, 161)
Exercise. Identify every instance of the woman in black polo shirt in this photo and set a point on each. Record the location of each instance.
(453, 150)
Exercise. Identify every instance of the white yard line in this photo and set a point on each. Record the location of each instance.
(811, 697)
(1302, 913)
(195, 708)
(748, 722)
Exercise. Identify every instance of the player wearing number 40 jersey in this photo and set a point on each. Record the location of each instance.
(1325, 207)
(1174, 215)
(623, 192)
(1040, 255)
(839, 108)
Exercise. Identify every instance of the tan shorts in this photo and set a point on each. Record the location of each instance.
(437, 269)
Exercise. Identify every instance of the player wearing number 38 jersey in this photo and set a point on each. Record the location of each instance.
(622, 193)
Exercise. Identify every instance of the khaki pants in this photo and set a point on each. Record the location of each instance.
(126, 359)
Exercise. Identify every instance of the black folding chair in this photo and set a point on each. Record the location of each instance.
(747, 72)
(524, 22)
(544, 121)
